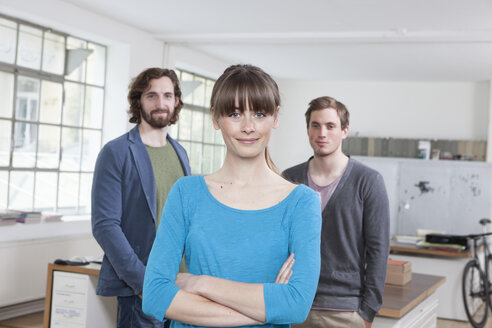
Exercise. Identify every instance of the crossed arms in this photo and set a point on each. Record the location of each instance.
(210, 301)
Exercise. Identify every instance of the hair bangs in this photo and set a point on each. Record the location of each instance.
(250, 90)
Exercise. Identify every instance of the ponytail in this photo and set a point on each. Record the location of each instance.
(269, 162)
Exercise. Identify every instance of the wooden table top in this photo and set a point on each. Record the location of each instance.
(413, 249)
(398, 300)
(90, 269)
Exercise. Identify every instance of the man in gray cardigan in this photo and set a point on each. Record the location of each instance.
(355, 230)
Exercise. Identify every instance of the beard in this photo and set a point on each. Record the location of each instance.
(156, 122)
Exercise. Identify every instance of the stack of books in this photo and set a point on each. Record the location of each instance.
(408, 239)
(398, 272)
(445, 242)
(442, 246)
(27, 217)
(51, 217)
(7, 218)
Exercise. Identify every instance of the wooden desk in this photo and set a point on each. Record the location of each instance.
(449, 265)
(413, 249)
(71, 299)
(399, 300)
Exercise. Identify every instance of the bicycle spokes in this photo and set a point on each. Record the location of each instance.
(475, 294)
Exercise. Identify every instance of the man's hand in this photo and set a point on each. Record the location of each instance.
(367, 323)
(285, 272)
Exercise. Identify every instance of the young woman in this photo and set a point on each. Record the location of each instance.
(240, 228)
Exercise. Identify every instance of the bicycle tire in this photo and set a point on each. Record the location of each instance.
(475, 296)
(489, 263)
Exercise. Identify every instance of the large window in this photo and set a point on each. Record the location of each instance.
(194, 129)
(51, 112)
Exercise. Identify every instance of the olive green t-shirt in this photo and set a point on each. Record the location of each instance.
(167, 170)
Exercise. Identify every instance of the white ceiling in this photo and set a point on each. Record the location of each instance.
(390, 40)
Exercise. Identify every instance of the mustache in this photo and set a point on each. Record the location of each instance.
(164, 110)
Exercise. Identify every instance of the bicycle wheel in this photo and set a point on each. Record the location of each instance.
(489, 263)
(474, 294)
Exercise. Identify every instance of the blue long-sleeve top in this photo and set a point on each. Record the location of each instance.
(241, 245)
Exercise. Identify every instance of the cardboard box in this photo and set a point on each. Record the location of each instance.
(398, 272)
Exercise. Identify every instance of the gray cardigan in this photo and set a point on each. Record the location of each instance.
(354, 240)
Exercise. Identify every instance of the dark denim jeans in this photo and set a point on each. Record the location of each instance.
(130, 314)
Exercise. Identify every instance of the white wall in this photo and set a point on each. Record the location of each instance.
(440, 110)
(177, 56)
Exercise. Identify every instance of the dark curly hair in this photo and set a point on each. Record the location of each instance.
(142, 82)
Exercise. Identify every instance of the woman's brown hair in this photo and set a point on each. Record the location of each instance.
(252, 87)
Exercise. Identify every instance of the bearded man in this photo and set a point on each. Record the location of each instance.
(132, 178)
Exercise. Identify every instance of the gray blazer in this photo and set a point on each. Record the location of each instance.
(124, 211)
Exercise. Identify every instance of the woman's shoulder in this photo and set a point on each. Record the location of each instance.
(188, 183)
(299, 193)
(304, 192)
(305, 206)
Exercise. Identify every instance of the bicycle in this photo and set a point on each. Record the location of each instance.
(477, 280)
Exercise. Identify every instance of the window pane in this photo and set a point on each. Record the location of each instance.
(199, 93)
(5, 136)
(74, 102)
(195, 157)
(54, 53)
(208, 129)
(185, 124)
(8, 40)
(187, 87)
(49, 146)
(77, 74)
(207, 165)
(51, 102)
(71, 147)
(85, 193)
(197, 132)
(218, 138)
(94, 98)
(7, 87)
(45, 193)
(21, 190)
(208, 92)
(173, 131)
(4, 180)
(25, 137)
(218, 157)
(186, 145)
(29, 47)
(92, 145)
(27, 99)
(96, 63)
(68, 193)
(50, 127)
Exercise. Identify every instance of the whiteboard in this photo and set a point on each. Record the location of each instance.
(448, 196)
